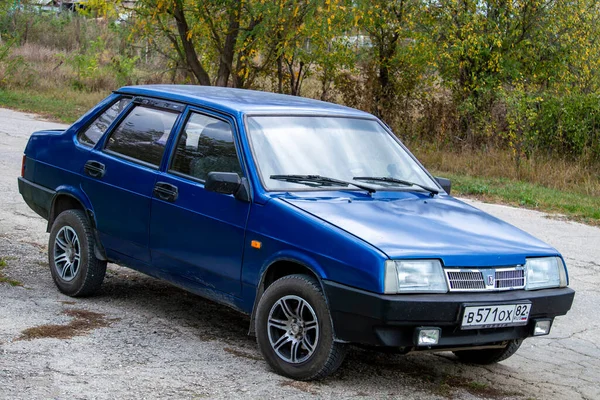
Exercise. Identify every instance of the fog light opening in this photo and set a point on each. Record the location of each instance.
(427, 336)
(542, 327)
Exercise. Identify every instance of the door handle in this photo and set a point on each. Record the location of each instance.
(165, 191)
(94, 169)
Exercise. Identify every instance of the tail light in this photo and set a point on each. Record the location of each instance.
(23, 166)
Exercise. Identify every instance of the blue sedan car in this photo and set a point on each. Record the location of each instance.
(311, 217)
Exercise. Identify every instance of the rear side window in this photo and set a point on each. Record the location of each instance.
(143, 134)
(205, 145)
(94, 132)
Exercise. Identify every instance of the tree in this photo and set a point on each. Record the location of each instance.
(401, 50)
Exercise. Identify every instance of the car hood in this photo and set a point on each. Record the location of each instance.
(414, 225)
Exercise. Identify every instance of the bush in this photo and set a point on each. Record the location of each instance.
(570, 125)
(560, 125)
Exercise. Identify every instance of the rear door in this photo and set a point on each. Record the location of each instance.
(197, 236)
(120, 174)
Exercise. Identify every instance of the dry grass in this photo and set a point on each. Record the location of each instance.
(41, 79)
(59, 104)
(4, 278)
(243, 354)
(83, 322)
(306, 387)
(41, 69)
(573, 176)
(36, 53)
(450, 384)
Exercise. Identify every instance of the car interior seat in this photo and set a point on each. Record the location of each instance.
(216, 151)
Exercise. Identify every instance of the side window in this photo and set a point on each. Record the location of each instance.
(205, 145)
(143, 134)
(94, 132)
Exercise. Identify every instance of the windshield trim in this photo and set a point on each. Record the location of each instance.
(367, 117)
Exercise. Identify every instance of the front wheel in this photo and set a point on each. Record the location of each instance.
(489, 356)
(294, 330)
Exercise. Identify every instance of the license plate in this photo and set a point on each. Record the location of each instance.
(478, 317)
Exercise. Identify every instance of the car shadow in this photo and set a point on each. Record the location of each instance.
(442, 375)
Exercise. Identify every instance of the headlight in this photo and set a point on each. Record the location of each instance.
(545, 272)
(414, 276)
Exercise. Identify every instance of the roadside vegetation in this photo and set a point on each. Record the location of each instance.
(4, 278)
(500, 96)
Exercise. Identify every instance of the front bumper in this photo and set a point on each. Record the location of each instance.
(390, 320)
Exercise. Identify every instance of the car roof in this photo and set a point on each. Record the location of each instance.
(242, 101)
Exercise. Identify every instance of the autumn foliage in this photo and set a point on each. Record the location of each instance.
(521, 75)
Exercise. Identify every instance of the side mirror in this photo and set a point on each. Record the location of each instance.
(444, 183)
(228, 183)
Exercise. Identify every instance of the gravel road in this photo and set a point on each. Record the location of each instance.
(141, 338)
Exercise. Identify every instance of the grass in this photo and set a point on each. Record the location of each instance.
(4, 278)
(539, 182)
(552, 185)
(449, 384)
(62, 105)
(580, 176)
(489, 177)
(577, 206)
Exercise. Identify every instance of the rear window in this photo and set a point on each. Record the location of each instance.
(143, 134)
(96, 129)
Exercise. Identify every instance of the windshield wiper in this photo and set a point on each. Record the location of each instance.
(431, 190)
(318, 180)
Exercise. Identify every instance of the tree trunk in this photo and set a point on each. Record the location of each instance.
(292, 77)
(226, 58)
(280, 74)
(383, 98)
(191, 57)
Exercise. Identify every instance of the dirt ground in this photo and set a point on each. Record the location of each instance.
(142, 338)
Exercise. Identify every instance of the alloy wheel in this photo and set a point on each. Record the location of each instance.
(293, 329)
(67, 253)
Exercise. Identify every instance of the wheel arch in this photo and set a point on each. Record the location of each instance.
(68, 198)
(278, 268)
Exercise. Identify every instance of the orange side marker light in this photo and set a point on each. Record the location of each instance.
(256, 244)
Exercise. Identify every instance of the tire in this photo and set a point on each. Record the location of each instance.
(489, 356)
(280, 330)
(74, 267)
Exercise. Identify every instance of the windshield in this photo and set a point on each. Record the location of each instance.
(339, 148)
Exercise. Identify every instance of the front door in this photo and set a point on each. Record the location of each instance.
(197, 236)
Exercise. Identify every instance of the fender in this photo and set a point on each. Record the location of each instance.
(290, 256)
(294, 256)
(80, 197)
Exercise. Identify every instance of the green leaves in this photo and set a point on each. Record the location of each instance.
(465, 72)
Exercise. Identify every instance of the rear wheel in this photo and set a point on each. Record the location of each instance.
(294, 330)
(74, 267)
(489, 356)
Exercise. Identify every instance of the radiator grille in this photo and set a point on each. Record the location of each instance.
(486, 279)
(465, 280)
(510, 279)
